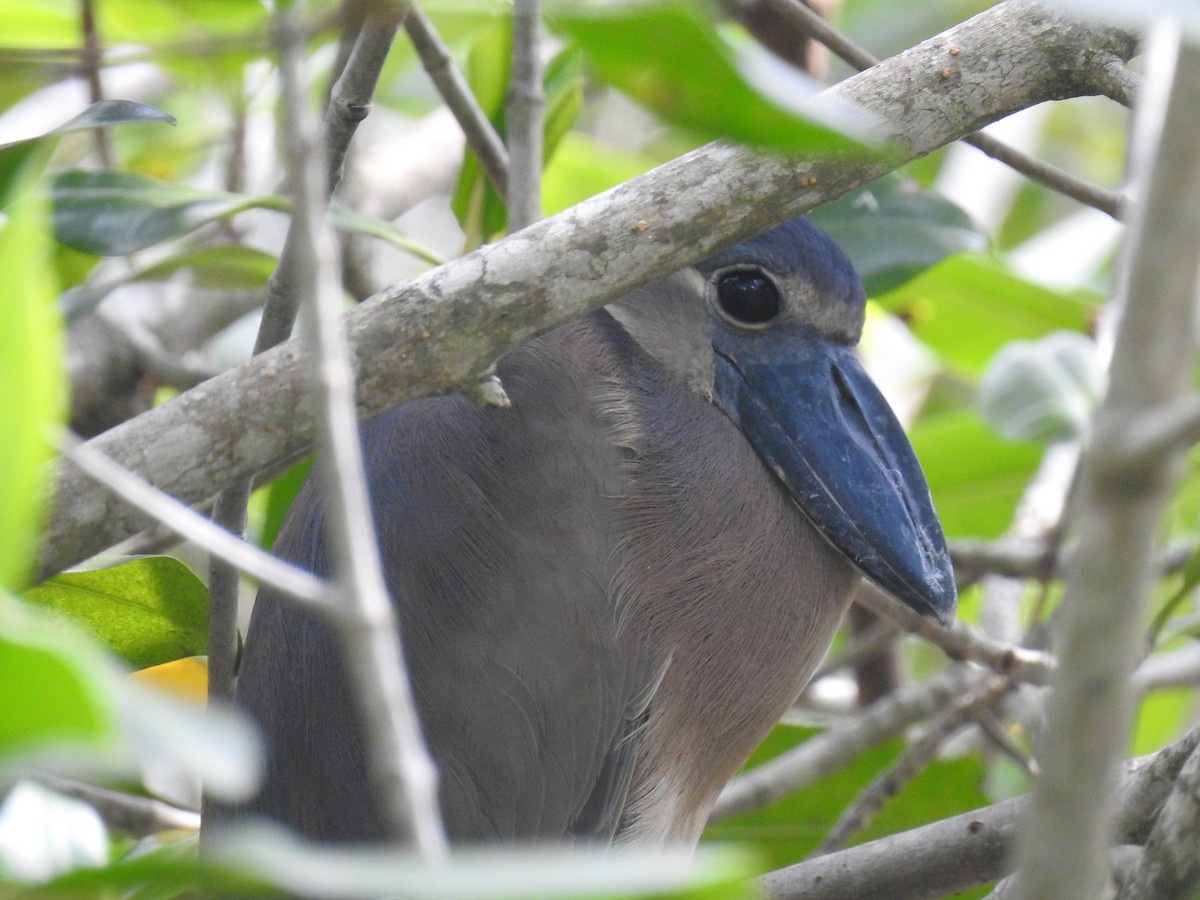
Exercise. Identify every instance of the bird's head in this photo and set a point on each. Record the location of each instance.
(766, 330)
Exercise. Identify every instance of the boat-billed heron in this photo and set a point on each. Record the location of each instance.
(610, 591)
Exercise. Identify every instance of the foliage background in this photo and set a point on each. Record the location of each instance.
(135, 255)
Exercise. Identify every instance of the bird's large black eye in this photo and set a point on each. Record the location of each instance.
(748, 296)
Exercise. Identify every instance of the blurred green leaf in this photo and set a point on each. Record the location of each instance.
(166, 872)
(479, 208)
(670, 57)
(31, 377)
(218, 746)
(976, 478)
(892, 230)
(55, 685)
(583, 167)
(1162, 717)
(280, 494)
(113, 213)
(1044, 390)
(483, 873)
(967, 307)
(15, 157)
(147, 611)
(34, 24)
(179, 21)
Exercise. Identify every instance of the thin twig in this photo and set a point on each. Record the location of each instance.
(126, 813)
(1169, 669)
(1008, 557)
(1039, 559)
(398, 762)
(278, 316)
(1118, 509)
(1051, 176)
(481, 136)
(912, 761)
(836, 746)
(350, 99)
(960, 641)
(192, 525)
(992, 728)
(525, 117)
(93, 57)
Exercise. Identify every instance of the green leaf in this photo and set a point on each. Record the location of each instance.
(103, 113)
(967, 307)
(1162, 716)
(166, 872)
(670, 57)
(279, 495)
(179, 21)
(35, 24)
(55, 685)
(32, 389)
(478, 206)
(113, 213)
(892, 230)
(976, 478)
(1045, 390)
(475, 203)
(148, 611)
(481, 873)
(15, 156)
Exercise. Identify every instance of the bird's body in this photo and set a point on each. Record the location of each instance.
(607, 593)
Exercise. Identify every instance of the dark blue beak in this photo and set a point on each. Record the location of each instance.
(814, 416)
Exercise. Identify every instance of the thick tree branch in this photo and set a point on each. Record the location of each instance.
(443, 330)
(1170, 867)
